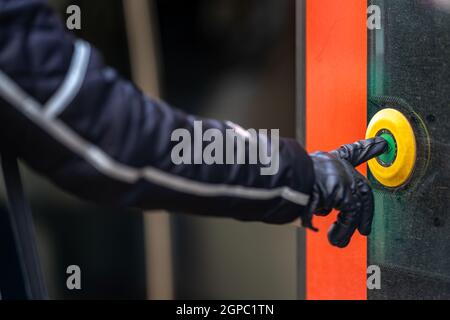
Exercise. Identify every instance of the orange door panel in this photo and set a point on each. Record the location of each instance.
(336, 113)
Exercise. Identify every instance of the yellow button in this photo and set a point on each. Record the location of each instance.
(402, 149)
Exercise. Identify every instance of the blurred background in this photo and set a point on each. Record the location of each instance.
(226, 59)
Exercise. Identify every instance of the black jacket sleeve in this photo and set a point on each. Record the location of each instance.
(94, 134)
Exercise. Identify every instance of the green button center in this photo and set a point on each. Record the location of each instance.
(388, 158)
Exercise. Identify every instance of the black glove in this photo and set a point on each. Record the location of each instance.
(339, 186)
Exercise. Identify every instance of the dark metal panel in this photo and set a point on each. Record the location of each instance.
(409, 70)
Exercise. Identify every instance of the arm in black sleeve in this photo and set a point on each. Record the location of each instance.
(94, 134)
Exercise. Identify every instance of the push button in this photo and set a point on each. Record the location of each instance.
(387, 159)
(394, 167)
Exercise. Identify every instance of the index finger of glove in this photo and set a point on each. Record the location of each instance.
(362, 151)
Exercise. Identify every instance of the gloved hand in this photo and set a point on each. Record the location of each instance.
(339, 186)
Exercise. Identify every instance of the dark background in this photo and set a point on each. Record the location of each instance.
(227, 59)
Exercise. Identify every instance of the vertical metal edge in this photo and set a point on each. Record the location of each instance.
(22, 276)
(300, 89)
